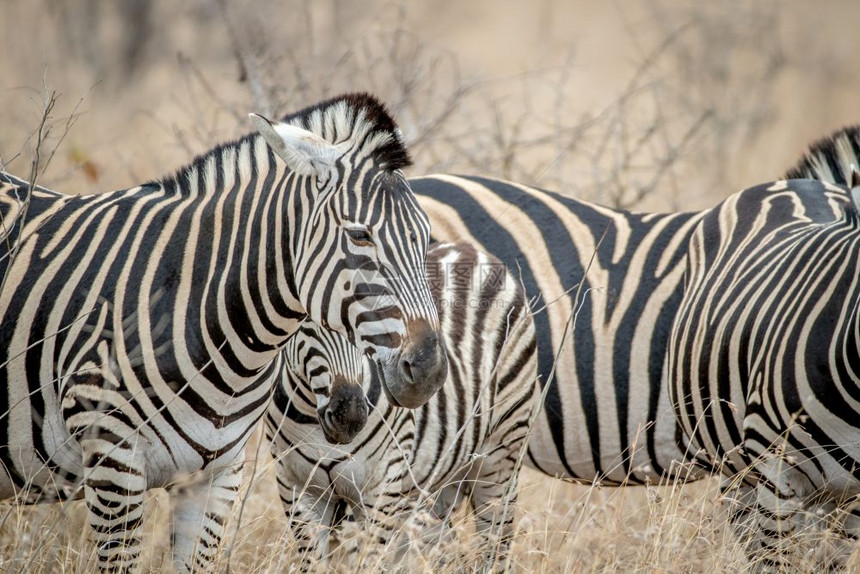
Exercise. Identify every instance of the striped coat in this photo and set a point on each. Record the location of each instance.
(765, 362)
(608, 285)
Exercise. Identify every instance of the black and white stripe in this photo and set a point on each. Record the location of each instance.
(138, 328)
(467, 442)
(765, 355)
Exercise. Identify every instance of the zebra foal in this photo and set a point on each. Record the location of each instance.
(140, 329)
(465, 443)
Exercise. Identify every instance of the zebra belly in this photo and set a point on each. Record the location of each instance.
(650, 441)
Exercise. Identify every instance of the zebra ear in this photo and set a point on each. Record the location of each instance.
(305, 152)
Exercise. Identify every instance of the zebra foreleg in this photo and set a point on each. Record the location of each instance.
(781, 527)
(493, 497)
(310, 520)
(114, 480)
(392, 529)
(200, 510)
(114, 488)
(764, 523)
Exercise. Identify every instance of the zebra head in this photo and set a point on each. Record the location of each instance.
(359, 239)
(325, 364)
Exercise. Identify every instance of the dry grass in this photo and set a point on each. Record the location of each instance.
(561, 528)
(671, 105)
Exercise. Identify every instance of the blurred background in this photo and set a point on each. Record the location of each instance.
(650, 105)
(654, 104)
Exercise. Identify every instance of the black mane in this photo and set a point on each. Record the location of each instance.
(391, 155)
(825, 153)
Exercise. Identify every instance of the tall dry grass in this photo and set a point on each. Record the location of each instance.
(671, 104)
(561, 528)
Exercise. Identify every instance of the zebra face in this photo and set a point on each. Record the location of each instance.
(387, 310)
(359, 252)
(328, 366)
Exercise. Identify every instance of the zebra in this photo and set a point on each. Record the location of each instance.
(610, 282)
(139, 329)
(764, 360)
(466, 442)
(461, 207)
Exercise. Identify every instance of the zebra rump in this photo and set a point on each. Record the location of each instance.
(765, 363)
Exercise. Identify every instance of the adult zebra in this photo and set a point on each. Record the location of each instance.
(138, 328)
(764, 360)
(607, 415)
(465, 443)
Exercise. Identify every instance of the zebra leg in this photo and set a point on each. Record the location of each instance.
(201, 507)
(834, 526)
(387, 514)
(114, 487)
(310, 518)
(754, 526)
(776, 519)
(493, 497)
(849, 518)
(448, 500)
(740, 503)
(114, 480)
(779, 515)
(393, 526)
(114, 494)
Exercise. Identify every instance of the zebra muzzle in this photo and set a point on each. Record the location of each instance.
(346, 413)
(420, 370)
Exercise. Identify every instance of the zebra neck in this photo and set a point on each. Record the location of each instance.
(241, 296)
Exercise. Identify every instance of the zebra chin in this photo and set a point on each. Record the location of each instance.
(411, 377)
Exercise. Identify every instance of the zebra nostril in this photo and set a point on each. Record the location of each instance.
(406, 371)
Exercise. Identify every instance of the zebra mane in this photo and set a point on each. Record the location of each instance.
(357, 116)
(830, 159)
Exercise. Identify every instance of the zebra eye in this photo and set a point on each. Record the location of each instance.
(360, 236)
